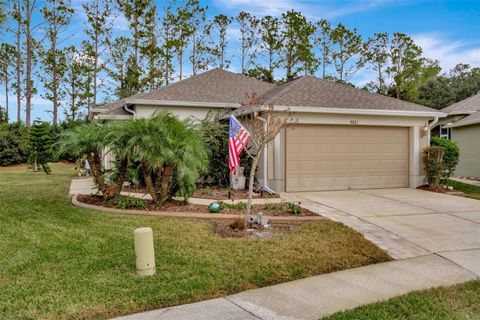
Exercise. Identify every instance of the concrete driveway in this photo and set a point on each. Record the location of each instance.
(407, 222)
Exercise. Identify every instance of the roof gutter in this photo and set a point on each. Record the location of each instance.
(174, 103)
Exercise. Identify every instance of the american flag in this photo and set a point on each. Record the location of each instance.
(238, 138)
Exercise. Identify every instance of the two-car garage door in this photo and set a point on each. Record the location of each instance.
(334, 157)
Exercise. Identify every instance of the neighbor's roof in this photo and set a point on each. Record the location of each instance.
(308, 91)
(474, 118)
(216, 85)
(466, 106)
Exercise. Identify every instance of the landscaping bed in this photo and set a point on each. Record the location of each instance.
(214, 193)
(278, 209)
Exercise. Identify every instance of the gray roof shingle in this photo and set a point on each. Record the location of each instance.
(466, 106)
(215, 85)
(221, 86)
(308, 91)
(474, 118)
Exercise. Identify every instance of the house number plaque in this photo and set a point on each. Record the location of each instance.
(353, 121)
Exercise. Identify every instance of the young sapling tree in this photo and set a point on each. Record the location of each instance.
(263, 123)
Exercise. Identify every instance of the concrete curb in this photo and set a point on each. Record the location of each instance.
(205, 216)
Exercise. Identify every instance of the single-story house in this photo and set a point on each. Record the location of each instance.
(462, 125)
(345, 138)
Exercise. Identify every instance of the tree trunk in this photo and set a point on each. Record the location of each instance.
(180, 62)
(96, 168)
(55, 83)
(95, 66)
(19, 75)
(148, 182)
(28, 36)
(6, 96)
(251, 182)
(122, 173)
(166, 181)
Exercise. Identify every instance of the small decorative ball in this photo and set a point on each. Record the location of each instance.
(214, 207)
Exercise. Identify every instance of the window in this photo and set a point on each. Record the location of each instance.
(445, 131)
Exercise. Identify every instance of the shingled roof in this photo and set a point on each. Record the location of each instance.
(308, 91)
(221, 86)
(215, 85)
(466, 106)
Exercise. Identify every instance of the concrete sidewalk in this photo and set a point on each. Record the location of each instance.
(315, 297)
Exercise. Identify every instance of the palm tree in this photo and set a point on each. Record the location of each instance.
(86, 140)
(171, 152)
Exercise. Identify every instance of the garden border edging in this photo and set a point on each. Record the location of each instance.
(205, 216)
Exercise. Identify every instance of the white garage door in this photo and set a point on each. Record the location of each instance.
(328, 157)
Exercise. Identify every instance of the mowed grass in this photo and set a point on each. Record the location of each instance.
(60, 261)
(469, 190)
(456, 302)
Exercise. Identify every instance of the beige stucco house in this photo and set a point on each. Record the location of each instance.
(463, 126)
(345, 138)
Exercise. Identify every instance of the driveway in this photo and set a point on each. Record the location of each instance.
(413, 222)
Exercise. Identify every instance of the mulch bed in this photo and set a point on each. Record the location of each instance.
(217, 193)
(230, 229)
(214, 193)
(179, 206)
(440, 189)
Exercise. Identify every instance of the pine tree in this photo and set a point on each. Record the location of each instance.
(98, 28)
(323, 41)
(7, 62)
(40, 143)
(297, 53)
(248, 39)
(218, 41)
(57, 15)
(270, 34)
(347, 45)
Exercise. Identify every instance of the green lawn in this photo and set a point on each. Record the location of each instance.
(60, 261)
(470, 191)
(456, 302)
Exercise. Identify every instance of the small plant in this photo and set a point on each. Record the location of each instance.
(293, 208)
(205, 191)
(125, 202)
(237, 206)
(433, 165)
(274, 207)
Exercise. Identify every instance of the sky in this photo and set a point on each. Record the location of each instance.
(448, 31)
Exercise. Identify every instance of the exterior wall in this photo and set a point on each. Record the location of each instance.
(446, 120)
(197, 113)
(417, 136)
(468, 139)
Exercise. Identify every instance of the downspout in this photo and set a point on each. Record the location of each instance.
(430, 127)
(132, 112)
(266, 187)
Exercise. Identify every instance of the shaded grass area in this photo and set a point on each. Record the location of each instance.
(469, 190)
(456, 302)
(60, 261)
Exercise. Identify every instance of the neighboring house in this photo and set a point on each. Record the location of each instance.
(463, 126)
(345, 138)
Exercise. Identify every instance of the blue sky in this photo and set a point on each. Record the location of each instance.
(448, 31)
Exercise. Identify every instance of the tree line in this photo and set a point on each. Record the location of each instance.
(178, 39)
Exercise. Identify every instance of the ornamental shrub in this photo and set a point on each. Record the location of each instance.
(434, 165)
(452, 153)
(13, 144)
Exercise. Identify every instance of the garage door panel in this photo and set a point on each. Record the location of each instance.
(321, 157)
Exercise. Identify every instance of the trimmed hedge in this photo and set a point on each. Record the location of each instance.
(452, 153)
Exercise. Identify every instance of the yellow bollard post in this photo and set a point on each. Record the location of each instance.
(143, 238)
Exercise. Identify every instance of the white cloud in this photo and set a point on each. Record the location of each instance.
(311, 9)
(448, 52)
